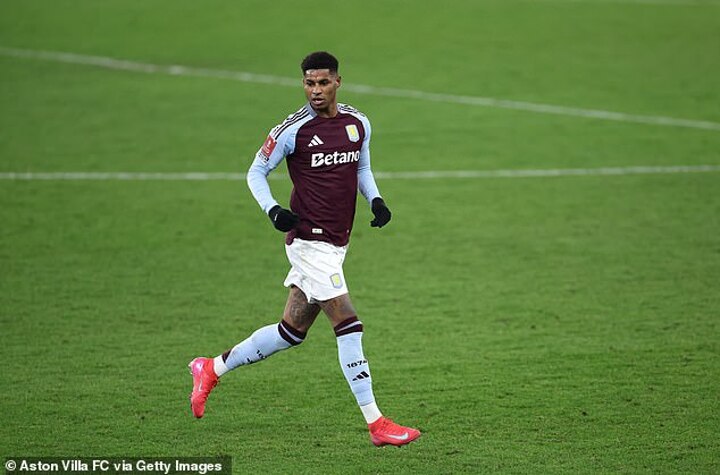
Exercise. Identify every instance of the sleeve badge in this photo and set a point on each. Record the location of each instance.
(268, 146)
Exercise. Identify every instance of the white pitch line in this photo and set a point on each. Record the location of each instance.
(178, 70)
(681, 3)
(418, 175)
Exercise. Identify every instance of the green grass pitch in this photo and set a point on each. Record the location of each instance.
(525, 325)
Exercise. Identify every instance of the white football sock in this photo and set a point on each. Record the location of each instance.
(355, 366)
(220, 366)
(264, 342)
(371, 412)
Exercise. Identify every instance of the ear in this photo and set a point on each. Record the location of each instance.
(338, 80)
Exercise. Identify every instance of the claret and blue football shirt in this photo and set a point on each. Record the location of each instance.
(327, 159)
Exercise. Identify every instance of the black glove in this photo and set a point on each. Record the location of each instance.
(283, 219)
(381, 212)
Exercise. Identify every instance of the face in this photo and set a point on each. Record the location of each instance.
(320, 89)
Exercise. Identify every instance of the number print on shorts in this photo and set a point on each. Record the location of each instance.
(336, 281)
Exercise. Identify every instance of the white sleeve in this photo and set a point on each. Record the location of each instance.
(273, 151)
(366, 180)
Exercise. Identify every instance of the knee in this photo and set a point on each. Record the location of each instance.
(349, 326)
(299, 313)
(298, 322)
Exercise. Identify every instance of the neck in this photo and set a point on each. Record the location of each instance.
(327, 113)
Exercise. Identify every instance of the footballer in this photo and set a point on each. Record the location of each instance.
(326, 146)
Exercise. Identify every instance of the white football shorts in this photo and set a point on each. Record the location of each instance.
(316, 269)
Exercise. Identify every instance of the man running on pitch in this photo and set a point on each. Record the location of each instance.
(326, 146)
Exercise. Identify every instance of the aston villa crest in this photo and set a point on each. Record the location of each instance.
(352, 132)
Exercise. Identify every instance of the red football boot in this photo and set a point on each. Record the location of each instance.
(385, 432)
(204, 380)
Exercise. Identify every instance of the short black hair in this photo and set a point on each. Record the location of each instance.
(319, 60)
